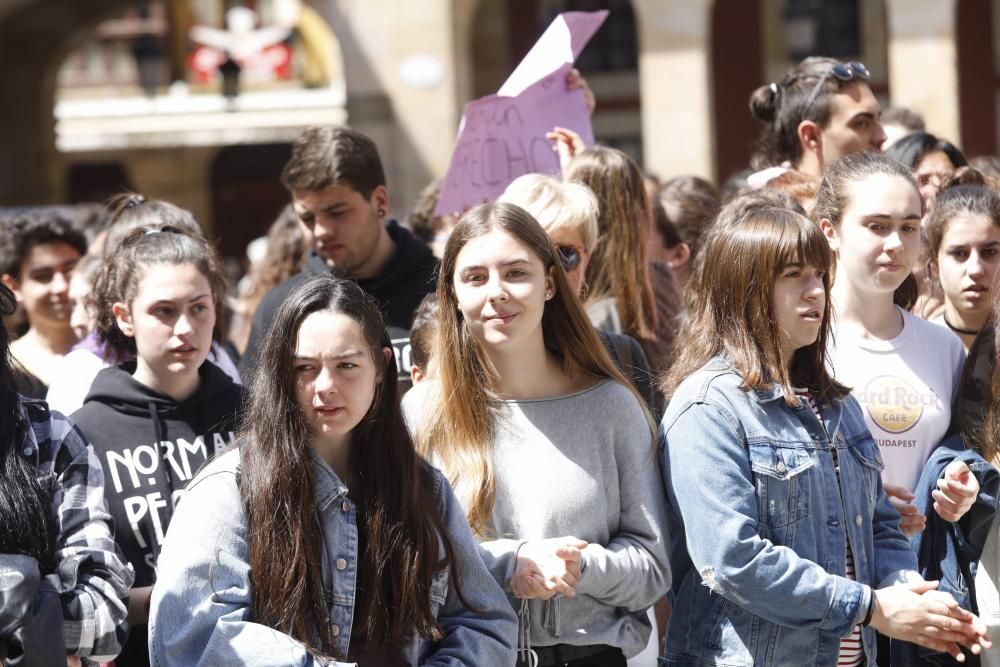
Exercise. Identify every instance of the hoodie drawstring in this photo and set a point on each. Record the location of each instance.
(166, 475)
(550, 617)
(524, 652)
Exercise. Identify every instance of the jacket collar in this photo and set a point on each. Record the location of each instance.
(329, 487)
(768, 394)
(724, 364)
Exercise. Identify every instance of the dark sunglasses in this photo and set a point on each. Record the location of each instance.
(844, 72)
(569, 256)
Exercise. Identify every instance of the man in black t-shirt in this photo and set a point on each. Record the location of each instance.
(338, 190)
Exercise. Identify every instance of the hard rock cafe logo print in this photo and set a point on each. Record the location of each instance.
(893, 404)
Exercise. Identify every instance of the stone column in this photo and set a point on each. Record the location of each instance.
(675, 86)
(922, 62)
(401, 85)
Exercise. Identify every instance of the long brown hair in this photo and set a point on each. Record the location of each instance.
(399, 522)
(618, 266)
(732, 309)
(833, 199)
(287, 245)
(460, 423)
(987, 440)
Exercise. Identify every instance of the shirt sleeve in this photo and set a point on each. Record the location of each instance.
(93, 575)
(632, 570)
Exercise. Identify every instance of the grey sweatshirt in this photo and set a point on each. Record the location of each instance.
(580, 465)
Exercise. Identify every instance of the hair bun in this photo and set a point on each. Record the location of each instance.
(764, 102)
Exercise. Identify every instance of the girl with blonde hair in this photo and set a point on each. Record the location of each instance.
(525, 390)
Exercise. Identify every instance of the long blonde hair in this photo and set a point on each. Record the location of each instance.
(618, 267)
(459, 426)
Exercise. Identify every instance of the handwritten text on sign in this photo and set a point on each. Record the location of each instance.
(504, 137)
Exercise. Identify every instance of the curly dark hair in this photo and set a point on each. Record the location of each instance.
(119, 278)
(24, 230)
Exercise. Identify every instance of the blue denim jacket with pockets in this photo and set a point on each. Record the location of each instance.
(759, 525)
(200, 611)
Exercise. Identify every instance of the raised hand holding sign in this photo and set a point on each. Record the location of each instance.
(502, 136)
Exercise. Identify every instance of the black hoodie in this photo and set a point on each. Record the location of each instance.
(150, 447)
(409, 276)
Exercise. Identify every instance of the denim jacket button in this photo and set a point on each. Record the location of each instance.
(341, 564)
(780, 467)
(28, 451)
(858, 520)
(345, 506)
(335, 630)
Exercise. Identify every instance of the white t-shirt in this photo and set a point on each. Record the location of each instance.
(905, 387)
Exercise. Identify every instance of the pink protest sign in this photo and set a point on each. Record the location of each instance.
(502, 136)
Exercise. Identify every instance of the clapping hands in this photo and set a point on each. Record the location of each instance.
(919, 613)
(546, 568)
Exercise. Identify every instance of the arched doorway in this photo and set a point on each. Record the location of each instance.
(75, 57)
(247, 194)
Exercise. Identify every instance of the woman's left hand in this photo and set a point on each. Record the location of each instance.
(956, 492)
(546, 568)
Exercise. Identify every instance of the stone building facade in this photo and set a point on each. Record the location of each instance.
(672, 80)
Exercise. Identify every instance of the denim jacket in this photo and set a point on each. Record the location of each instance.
(949, 552)
(759, 525)
(200, 612)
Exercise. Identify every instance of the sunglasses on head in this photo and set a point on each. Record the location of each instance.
(844, 72)
(569, 256)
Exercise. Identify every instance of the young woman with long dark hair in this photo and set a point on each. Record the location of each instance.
(784, 546)
(64, 581)
(155, 418)
(525, 395)
(329, 537)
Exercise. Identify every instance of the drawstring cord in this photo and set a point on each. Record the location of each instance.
(554, 615)
(524, 652)
(164, 466)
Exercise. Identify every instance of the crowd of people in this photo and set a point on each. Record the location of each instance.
(600, 421)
